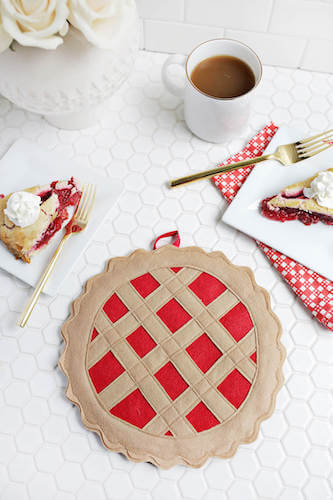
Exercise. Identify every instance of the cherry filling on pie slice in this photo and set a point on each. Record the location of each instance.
(293, 204)
(55, 199)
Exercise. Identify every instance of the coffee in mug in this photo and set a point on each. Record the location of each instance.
(223, 76)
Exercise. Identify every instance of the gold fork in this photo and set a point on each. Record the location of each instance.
(287, 154)
(77, 224)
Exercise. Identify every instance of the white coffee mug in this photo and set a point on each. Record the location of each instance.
(211, 118)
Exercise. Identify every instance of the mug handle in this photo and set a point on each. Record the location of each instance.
(173, 87)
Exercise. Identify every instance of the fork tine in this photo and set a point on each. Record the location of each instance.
(89, 204)
(82, 200)
(309, 139)
(312, 145)
(85, 200)
(313, 153)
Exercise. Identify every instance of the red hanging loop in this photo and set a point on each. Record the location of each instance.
(174, 234)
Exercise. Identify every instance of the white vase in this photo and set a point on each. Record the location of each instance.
(68, 85)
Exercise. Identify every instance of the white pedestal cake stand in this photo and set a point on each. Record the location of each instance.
(68, 85)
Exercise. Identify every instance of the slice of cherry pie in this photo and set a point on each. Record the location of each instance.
(55, 198)
(300, 202)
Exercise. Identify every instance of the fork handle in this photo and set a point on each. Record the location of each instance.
(41, 283)
(217, 170)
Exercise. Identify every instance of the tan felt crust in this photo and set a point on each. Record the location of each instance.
(308, 205)
(192, 450)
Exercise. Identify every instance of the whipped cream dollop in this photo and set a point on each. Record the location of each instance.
(321, 189)
(23, 208)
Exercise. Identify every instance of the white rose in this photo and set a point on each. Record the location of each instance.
(101, 21)
(35, 23)
(5, 39)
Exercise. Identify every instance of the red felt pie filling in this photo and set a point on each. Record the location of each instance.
(283, 214)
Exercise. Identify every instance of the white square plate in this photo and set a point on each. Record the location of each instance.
(312, 245)
(25, 165)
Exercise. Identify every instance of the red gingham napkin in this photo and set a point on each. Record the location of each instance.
(315, 291)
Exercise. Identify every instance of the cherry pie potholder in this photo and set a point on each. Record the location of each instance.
(173, 356)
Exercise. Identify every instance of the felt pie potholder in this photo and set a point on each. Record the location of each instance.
(173, 356)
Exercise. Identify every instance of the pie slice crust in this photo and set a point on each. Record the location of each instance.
(173, 356)
(55, 199)
(292, 204)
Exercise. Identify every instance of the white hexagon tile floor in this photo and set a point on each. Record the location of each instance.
(45, 452)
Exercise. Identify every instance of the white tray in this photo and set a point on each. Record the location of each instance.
(25, 165)
(309, 245)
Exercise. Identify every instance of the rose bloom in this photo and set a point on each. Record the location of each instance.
(35, 23)
(101, 21)
(5, 38)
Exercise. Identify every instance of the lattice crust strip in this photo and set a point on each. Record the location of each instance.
(177, 358)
